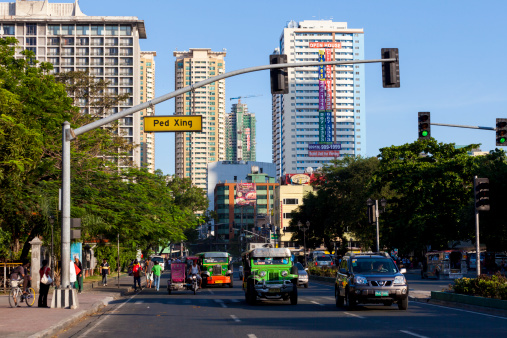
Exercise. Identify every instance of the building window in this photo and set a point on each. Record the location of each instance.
(67, 30)
(54, 29)
(125, 30)
(31, 41)
(31, 29)
(290, 201)
(111, 30)
(82, 29)
(97, 30)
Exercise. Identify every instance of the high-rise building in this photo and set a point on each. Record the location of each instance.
(240, 133)
(105, 46)
(147, 92)
(194, 150)
(323, 115)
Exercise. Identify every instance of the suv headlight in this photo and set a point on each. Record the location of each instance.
(262, 273)
(284, 273)
(359, 280)
(399, 280)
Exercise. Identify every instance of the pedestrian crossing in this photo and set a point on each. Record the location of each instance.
(320, 301)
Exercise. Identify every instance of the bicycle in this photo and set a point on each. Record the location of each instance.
(16, 294)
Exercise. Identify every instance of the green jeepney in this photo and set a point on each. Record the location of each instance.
(216, 268)
(269, 274)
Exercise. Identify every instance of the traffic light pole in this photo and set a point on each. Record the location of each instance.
(462, 126)
(477, 244)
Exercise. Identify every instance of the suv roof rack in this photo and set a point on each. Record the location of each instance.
(368, 253)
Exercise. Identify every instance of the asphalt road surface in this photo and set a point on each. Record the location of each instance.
(222, 312)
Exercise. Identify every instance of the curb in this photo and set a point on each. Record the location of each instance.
(469, 300)
(63, 324)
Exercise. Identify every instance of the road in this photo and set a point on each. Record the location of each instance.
(223, 312)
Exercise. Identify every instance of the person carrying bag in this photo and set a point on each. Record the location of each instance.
(45, 282)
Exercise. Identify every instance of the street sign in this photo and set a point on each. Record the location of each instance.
(173, 123)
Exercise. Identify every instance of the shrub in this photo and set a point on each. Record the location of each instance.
(494, 286)
(318, 271)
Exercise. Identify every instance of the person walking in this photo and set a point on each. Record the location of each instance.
(79, 274)
(136, 271)
(44, 288)
(148, 266)
(105, 271)
(72, 274)
(157, 270)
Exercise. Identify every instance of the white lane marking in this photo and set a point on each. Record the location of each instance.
(251, 335)
(236, 319)
(413, 334)
(106, 316)
(218, 300)
(354, 315)
(451, 308)
(235, 300)
(314, 302)
(210, 291)
(223, 305)
(329, 298)
(139, 302)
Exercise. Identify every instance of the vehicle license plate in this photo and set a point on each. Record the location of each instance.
(274, 290)
(219, 281)
(381, 293)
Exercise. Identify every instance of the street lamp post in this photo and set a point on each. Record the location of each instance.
(304, 228)
(383, 203)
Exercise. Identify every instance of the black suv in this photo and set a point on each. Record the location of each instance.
(370, 278)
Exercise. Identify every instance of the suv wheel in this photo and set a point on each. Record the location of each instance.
(403, 304)
(339, 299)
(350, 302)
(251, 297)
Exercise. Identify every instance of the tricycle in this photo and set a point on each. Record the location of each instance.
(179, 280)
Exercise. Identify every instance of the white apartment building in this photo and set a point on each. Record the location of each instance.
(147, 93)
(194, 150)
(296, 119)
(105, 46)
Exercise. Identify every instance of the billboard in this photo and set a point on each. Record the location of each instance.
(324, 147)
(245, 194)
(323, 153)
(247, 133)
(329, 44)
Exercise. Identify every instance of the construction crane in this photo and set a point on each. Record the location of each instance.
(243, 97)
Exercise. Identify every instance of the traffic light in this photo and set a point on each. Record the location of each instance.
(481, 191)
(279, 78)
(501, 132)
(391, 69)
(371, 211)
(424, 126)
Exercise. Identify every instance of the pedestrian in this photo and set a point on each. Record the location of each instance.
(72, 273)
(149, 274)
(44, 288)
(105, 271)
(79, 274)
(157, 269)
(136, 271)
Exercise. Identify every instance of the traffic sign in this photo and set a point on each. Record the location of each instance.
(173, 123)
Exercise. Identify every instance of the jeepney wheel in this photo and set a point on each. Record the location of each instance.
(251, 297)
(294, 294)
(339, 299)
(403, 304)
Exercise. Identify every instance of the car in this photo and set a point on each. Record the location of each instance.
(370, 278)
(323, 260)
(158, 259)
(302, 275)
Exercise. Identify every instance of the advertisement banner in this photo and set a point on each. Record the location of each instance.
(245, 194)
(322, 72)
(322, 126)
(329, 127)
(323, 153)
(325, 45)
(322, 95)
(316, 146)
(329, 95)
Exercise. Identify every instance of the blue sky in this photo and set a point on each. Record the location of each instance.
(452, 59)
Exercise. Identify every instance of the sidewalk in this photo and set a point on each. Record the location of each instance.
(24, 321)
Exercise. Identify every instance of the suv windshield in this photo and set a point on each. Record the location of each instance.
(372, 265)
(324, 258)
(270, 260)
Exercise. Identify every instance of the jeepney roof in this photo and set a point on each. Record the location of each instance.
(214, 254)
(270, 252)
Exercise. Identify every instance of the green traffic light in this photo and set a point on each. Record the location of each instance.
(502, 140)
(425, 133)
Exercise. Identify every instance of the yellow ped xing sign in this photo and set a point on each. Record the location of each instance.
(173, 123)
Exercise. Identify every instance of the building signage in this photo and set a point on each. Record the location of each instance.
(247, 133)
(324, 147)
(326, 44)
(300, 179)
(245, 194)
(173, 123)
(323, 153)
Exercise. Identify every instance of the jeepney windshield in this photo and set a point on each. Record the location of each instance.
(215, 260)
(270, 260)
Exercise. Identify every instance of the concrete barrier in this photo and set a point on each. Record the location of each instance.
(470, 300)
